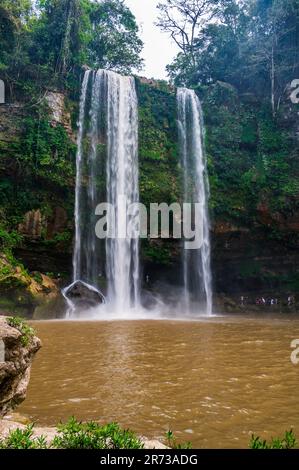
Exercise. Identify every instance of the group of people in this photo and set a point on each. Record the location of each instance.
(263, 301)
(268, 301)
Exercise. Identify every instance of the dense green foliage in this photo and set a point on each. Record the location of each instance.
(38, 166)
(158, 158)
(241, 57)
(48, 40)
(43, 46)
(158, 152)
(47, 150)
(9, 239)
(252, 158)
(249, 44)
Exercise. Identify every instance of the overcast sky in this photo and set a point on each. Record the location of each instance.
(159, 49)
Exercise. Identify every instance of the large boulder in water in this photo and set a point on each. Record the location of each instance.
(83, 296)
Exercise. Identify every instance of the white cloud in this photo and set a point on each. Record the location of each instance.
(159, 49)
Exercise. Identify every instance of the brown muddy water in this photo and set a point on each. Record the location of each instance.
(213, 383)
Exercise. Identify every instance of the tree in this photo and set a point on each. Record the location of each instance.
(274, 43)
(184, 19)
(71, 33)
(57, 31)
(218, 51)
(252, 45)
(114, 42)
(14, 20)
(71, 26)
(48, 43)
(7, 34)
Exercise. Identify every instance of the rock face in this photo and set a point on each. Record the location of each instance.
(15, 370)
(58, 111)
(32, 225)
(28, 295)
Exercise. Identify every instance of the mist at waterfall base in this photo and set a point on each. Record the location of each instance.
(108, 168)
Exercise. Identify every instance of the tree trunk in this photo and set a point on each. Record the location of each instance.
(65, 49)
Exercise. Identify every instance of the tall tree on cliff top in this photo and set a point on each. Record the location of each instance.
(184, 19)
(114, 42)
(218, 49)
(254, 45)
(57, 34)
(75, 32)
(274, 44)
(14, 20)
(72, 15)
(7, 35)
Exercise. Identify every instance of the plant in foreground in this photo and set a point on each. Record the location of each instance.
(74, 435)
(23, 439)
(171, 442)
(287, 442)
(77, 435)
(27, 331)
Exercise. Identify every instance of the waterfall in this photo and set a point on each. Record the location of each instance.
(196, 263)
(107, 170)
(122, 254)
(77, 258)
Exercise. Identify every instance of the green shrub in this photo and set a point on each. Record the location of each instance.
(287, 442)
(27, 331)
(77, 435)
(23, 439)
(9, 239)
(171, 441)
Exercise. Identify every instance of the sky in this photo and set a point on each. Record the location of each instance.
(159, 50)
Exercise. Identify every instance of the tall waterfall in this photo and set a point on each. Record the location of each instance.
(107, 169)
(122, 181)
(196, 263)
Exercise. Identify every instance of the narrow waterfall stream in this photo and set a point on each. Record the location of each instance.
(78, 251)
(196, 263)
